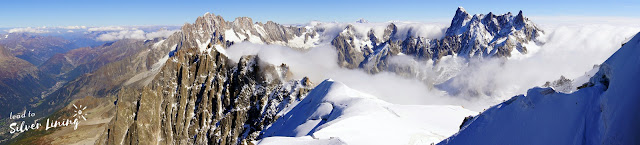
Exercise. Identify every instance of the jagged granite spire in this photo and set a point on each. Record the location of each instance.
(519, 20)
(459, 20)
(468, 36)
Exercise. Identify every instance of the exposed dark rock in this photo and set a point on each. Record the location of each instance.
(562, 85)
(201, 98)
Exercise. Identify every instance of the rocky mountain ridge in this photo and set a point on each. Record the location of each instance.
(184, 90)
(196, 96)
(468, 36)
(199, 97)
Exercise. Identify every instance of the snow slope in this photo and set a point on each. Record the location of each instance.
(304, 140)
(605, 112)
(333, 110)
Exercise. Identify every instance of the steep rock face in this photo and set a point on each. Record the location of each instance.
(468, 36)
(349, 54)
(201, 98)
(198, 97)
(132, 64)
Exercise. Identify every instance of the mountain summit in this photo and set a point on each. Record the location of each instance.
(491, 35)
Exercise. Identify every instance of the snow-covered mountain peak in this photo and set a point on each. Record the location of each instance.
(461, 9)
(493, 35)
(362, 20)
(460, 19)
(494, 24)
(212, 30)
(480, 35)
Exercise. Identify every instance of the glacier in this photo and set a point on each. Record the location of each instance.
(333, 111)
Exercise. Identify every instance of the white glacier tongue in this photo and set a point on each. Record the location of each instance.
(334, 111)
(603, 112)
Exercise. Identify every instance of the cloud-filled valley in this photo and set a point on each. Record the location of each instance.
(568, 51)
(491, 78)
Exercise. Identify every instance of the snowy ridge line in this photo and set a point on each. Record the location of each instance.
(333, 111)
(600, 112)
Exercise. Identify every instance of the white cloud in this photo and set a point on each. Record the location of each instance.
(126, 34)
(133, 34)
(73, 27)
(427, 30)
(108, 28)
(160, 33)
(27, 30)
(582, 20)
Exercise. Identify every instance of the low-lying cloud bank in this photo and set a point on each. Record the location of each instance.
(320, 63)
(28, 30)
(570, 50)
(107, 33)
(427, 30)
(134, 34)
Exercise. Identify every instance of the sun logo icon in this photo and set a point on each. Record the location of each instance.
(79, 112)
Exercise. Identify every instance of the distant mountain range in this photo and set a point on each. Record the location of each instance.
(184, 88)
(197, 97)
(125, 69)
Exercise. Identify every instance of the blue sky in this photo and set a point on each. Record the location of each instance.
(34, 13)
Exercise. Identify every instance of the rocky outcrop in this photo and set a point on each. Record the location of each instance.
(202, 98)
(561, 85)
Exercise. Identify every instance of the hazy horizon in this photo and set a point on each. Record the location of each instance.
(142, 13)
